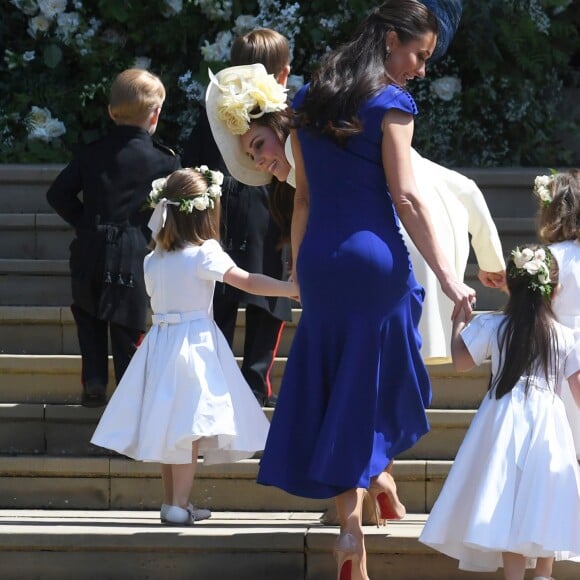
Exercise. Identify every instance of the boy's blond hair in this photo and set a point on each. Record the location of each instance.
(264, 46)
(135, 94)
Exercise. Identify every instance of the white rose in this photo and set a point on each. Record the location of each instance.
(54, 128)
(38, 24)
(217, 177)
(214, 190)
(522, 257)
(540, 254)
(533, 266)
(38, 116)
(201, 202)
(28, 56)
(446, 87)
(158, 185)
(50, 8)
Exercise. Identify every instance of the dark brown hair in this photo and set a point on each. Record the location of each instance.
(355, 71)
(281, 198)
(528, 342)
(560, 220)
(264, 46)
(182, 228)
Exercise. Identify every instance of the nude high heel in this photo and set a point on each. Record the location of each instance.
(348, 554)
(383, 490)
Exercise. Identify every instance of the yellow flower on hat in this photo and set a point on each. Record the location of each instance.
(243, 98)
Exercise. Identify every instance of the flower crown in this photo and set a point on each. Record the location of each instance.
(243, 99)
(543, 188)
(535, 265)
(186, 205)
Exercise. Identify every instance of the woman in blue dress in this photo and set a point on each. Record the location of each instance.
(355, 388)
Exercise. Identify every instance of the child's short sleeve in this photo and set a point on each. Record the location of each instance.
(479, 335)
(215, 262)
(572, 361)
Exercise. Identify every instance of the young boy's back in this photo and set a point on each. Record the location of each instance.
(114, 175)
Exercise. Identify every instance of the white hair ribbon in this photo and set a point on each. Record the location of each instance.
(159, 217)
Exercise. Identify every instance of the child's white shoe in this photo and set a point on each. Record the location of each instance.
(543, 578)
(198, 514)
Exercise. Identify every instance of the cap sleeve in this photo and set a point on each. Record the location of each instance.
(394, 97)
(215, 262)
(479, 334)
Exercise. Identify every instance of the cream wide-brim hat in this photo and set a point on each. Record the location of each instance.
(238, 163)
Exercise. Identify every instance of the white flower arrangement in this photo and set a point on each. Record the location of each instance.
(50, 8)
(244, 99)
(543, 189)
(534, 264)
(446, 87)
(200, 202)
(42, 126)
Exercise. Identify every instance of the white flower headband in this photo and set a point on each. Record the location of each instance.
(535, 264)
(199, 202)
(543, 188)
(243, 99)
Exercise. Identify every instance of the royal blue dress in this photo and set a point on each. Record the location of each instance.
(355, 389)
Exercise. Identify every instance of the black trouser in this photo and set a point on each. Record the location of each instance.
(260, 343)
(93, 341)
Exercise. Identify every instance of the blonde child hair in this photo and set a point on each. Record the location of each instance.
(135, 94)
(559, 215)
(194, 227)
(264, 46)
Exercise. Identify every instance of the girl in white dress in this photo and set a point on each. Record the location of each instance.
(183, 395)
(512, 497)
(559, 226)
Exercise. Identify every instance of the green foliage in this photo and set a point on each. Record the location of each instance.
(512, 57)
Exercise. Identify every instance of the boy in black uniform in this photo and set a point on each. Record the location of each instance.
(114, 175)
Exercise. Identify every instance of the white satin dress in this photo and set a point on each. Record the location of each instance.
(183, 383)
(515, 482)
(566, 305)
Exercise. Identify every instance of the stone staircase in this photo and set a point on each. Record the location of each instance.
(69, 508)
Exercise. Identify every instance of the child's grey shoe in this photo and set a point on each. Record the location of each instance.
(176, 516)
(198, 514)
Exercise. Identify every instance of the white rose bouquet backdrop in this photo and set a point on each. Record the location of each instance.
(494, 100)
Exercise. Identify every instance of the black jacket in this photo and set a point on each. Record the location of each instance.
(114, 175)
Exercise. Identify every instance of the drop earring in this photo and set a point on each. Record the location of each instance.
(388, 53)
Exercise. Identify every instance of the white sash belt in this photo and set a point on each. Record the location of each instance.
(178, 317)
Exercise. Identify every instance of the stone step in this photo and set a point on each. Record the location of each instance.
(36, 236)
(47, 283)
(34, 282)
(55, 379)
(508, 190)
(49, 482)
(51, 330)
(66, 430)
(230, 546)
(44, 236)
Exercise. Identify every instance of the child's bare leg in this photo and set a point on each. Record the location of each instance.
(514, 566)
(167, 481)
(183, 476)
(544, 567)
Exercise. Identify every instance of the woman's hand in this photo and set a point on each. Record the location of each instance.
(492, 279)
(462, 296)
